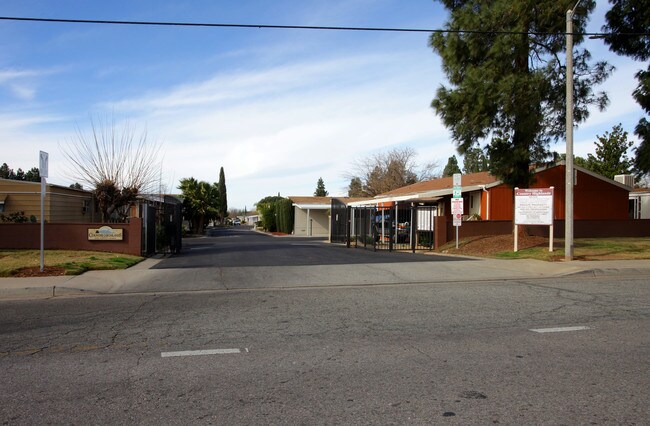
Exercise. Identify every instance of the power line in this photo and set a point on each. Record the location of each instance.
(294, 27)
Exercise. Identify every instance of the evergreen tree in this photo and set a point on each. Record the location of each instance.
(223, 196)
(356, 188)
(475, 161)
(33, 175)
(507, 84)
(320, 189)
(451, 167)
(626, 17)
(611, 154)
(6, 172)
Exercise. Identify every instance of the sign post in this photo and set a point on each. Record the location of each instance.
(457, 203)
(534, 207)
(43, 163)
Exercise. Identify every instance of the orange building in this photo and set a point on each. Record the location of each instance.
(487, 198)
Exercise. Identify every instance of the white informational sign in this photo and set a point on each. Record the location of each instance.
(534, 206)
(457, 179)
(425, 220)
(457, 210)
(43, 163)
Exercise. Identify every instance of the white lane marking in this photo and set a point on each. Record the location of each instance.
(560, 329)
(201, 352)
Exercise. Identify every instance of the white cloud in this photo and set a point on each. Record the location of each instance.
(278, 129)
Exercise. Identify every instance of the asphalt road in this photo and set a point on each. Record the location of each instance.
(242, 247)
(445, 353)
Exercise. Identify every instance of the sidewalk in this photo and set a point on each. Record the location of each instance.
(141, 278)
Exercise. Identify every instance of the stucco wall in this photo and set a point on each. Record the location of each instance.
(319, 223)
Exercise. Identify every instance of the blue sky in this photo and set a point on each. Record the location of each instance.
(276, 108)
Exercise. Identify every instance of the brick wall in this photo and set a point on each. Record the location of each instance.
(71, 236)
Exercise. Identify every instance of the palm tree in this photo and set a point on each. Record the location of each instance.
(200, 202)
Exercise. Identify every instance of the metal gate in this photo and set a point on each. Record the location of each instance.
(162, 229)
(398, 227)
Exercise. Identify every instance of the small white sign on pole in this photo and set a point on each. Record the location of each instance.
(457, 210)
(456, 178)
(43, 163)
(457, 213)
(534, 206)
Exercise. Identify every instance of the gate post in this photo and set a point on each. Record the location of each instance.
(414, 225)
(347, 225)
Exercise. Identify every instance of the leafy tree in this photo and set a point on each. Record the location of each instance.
(356, 188)
(320, 188)
(200, 202)
(119, 164)
(507, 81)
(76, 185)
(266, 207)
(223, 196)
(383, 172)
(628, 17)
(611, 154)
(475, 160)
(451, 167)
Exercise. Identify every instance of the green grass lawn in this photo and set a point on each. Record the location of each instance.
(73, 262)
(587, 249)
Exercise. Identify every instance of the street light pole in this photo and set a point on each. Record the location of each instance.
(569, 181)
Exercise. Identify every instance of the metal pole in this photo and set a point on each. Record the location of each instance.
(568, 203)
(43, 187)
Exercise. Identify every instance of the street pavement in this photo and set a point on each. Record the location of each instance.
(243, 328)
(241, 259)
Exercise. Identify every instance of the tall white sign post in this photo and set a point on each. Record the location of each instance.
(534, 207)
(457, 203)
(43, 162)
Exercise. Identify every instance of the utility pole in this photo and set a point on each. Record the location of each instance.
(568, 203)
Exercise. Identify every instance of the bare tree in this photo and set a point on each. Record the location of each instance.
(119, 163)
(383, 172)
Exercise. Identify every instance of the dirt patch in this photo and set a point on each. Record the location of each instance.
(488, 245)
(35, 271)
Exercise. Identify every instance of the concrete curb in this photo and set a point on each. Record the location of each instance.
(129, 280)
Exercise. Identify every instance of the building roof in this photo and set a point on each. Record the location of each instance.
(6, 182)
(468, 180)
(311, 200)
(430, 190)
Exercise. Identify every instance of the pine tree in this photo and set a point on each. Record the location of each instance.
(451, 167)
(507, 84)
(475, 161)
(611, 154)
(625, 17)
(320, 188)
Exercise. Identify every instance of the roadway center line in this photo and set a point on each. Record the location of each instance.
(201, 352)
(560, 329)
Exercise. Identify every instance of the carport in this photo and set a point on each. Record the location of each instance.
(311, 216)
(386, 223)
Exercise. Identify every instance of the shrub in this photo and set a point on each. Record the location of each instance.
(15, 217)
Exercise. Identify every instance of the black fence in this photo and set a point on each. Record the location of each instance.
(162, 228)
(400, 227)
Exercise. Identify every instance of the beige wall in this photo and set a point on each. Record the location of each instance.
(61, 204)
(318, 219)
